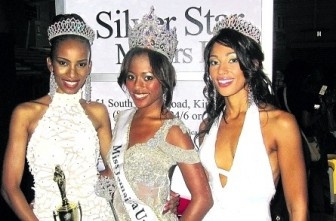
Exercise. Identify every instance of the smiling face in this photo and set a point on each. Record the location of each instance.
(225, 71)
(70, 65)
(143, 86)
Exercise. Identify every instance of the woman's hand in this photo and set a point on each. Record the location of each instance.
(172, 203)
(105, 185)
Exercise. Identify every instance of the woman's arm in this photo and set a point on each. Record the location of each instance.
(195, 179)
(103, 127)
(14, 161)
(197, 183)
(292, 167)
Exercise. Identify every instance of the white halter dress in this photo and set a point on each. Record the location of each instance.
(250, 187)
(65, 136)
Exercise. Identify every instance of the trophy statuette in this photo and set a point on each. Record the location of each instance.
(67, 211)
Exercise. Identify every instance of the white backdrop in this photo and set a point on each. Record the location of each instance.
(194, 20)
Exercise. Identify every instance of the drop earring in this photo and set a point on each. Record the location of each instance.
(164, 98)
(214, 92)
(87, 89)
(250, 99)
(215, 97)
(52, 85)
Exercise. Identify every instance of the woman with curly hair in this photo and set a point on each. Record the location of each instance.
(246, 143)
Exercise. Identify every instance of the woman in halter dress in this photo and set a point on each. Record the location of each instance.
(246, 142)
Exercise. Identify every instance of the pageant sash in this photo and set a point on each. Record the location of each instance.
(136, 209)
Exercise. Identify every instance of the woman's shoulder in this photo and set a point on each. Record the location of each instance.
(97, 113)
(93, 105)
(278, 127)
(94, 108)
(178, 134)
(33, 106)
(30, 112)
(174, 124)
(177, 126)
(276, 117)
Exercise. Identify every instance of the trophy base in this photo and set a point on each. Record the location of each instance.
(69, 212)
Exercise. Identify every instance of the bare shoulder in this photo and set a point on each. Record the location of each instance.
(94, 104)
(278, 127)
(280, 130)
(97, 113)
(34, 108)
(95, 108)
(27, 114)
(271, 116)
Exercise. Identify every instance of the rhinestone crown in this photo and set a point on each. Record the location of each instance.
(236, 22)
(71, 26)
(149, 33)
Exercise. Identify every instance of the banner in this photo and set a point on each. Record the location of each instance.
(193, 19)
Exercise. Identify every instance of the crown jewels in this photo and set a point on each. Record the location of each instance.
(236, 22)
(71, 26)
(149, 33)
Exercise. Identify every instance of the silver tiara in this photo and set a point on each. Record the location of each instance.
(149, 33)
(236, 22)
(71, 26)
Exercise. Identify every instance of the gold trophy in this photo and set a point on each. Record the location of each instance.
(68, 211)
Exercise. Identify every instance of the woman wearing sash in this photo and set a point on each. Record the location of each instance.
(149, 141)
(246, 142)
(62, 130)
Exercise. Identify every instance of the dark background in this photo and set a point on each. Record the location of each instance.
(303, 30)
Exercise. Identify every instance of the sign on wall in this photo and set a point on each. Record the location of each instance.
(193, 19)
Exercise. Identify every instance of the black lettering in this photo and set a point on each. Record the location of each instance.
(141, 214)
(104, 24)
(118, 22)
(208, 17)
(120, 50)
(168, 21)
(193, 21)
(187, 58)
(116, 150)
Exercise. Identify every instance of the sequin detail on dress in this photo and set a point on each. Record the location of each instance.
(147, 166)
(66, 136)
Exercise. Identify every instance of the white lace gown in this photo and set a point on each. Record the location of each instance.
(65, 136)
(250, 186)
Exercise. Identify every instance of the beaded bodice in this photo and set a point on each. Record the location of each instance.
(147, 167)
(65, 136)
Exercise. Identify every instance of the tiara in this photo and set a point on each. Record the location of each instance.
(149, 33)
(236, 22)
(71, 26)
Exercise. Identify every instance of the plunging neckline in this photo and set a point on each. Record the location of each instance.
(222, 171)
(145, 142)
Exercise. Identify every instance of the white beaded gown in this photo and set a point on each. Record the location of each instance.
(65, 136)
(147, 167)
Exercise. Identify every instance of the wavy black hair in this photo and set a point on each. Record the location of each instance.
(250, 57)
